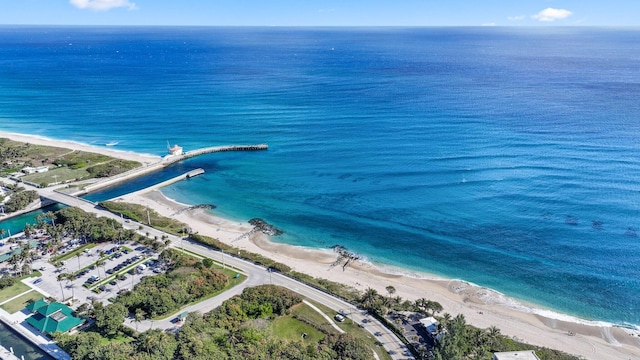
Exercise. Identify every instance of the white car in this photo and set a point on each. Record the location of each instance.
(339, 318)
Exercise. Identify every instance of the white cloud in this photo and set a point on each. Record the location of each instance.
(516, 18)
(489, 24)
(102, 5)
(551, 14)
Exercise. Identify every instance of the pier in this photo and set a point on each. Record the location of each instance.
(73, 198)
(170, 159)
(166, 161)
(187, 175)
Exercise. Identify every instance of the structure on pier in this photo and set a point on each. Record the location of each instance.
(175, 150)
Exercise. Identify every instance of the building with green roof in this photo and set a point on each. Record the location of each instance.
(50, 317)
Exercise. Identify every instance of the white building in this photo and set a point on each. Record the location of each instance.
(430, 324)
(32, 170)
(175, 150)
(516, 355)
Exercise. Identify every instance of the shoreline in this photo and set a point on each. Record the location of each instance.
(593, 340)
(525, 322)
(144, 159)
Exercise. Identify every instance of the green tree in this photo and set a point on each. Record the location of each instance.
(369, 298)
(348, 347)
(157, 344)
(61, 277)
(207, 262)
(139, 316)
(110, 318)
(80, 345)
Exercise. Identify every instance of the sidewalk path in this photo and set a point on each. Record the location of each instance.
(324, 316)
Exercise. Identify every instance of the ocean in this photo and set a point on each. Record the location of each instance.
(507, 157)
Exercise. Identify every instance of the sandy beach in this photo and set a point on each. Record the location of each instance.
(38, 140)
(481, 307)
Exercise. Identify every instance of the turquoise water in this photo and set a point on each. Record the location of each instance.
(16, 224)
(21, 347)
(505, 157)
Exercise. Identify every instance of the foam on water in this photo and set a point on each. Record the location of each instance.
(505, 157)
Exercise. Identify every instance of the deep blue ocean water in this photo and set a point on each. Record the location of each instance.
(507, 157)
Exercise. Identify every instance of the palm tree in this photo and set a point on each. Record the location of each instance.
(61, 277)
(390, 290)
(69, 278)
(139, 316)
(493, 333)
(27, 253)
(78, 256)
(444, 323)
(50, 216)
(369, 298)
(28, 230)
(101, 263)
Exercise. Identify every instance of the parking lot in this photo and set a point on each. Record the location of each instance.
(123, 266)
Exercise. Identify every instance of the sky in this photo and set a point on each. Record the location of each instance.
(625, 13)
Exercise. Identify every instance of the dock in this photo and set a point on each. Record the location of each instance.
(8, 354)
(187, 175)
(45, 344)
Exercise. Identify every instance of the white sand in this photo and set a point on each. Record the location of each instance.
(38, 140)
(481, 307)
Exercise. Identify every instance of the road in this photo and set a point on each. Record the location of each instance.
(256, 275)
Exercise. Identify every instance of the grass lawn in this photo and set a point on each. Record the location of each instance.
(59, 174)
(305, 313)
(352, 328)
(71, 254)
(19, 303)
(13, 290)
(217, 262)
(287, 327)
(143, 214)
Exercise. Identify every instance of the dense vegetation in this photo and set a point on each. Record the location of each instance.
(6, 281)
(20, 199)
(16, 155)
(186, 281)
(241, 328)
(112, 168)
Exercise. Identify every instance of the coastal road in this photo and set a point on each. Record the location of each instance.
(256, 275)
(259, 275)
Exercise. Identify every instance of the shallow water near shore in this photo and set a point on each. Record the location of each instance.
(505, 157)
